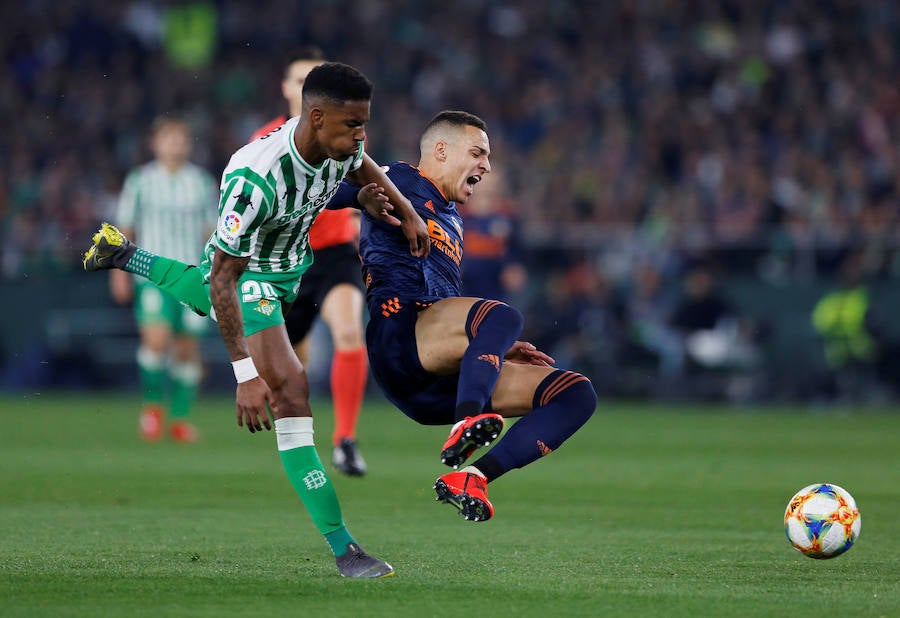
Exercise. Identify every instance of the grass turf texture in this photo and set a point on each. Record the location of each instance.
(648, 511)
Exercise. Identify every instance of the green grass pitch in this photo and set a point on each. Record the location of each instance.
(648, 511)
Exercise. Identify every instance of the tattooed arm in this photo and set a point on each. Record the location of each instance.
(252, 395)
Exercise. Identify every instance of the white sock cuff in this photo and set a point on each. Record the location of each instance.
(150, 360)
(294, 432)
(186, 373)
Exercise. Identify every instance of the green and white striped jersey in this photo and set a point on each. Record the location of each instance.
(169, 213)
(269, 199)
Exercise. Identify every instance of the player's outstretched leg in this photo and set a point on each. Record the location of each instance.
(110, 249)
(466, 491)
(469, 434)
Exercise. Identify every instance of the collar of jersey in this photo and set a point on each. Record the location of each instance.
(296, 155)
(162, 168)
(433, 183)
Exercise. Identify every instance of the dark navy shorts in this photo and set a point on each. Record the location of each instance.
(425, 397)
(332, 266)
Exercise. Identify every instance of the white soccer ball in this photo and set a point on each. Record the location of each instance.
(822, 520)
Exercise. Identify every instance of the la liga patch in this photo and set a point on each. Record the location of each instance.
(230, 225)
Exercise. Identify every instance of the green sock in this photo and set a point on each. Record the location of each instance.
(185, 378)
(338, 540)
(183, 281)
(151, 367)
(305, 471)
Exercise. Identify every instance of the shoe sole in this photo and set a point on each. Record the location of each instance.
(471, 508)
(364, 576)
(481, 433)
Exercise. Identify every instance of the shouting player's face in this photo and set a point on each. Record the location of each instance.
(342, 127)
(467, 162)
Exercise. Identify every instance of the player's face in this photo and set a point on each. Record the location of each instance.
(342, 127)
(292, 84)
(172, 144)
(467, 162)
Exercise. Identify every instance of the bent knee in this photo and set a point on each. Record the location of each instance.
(500, 316)
(290, 392)
(573, 390)
(587, 396)
(510, 316)
(347, 335)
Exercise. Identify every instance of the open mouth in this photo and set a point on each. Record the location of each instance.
(473, 180)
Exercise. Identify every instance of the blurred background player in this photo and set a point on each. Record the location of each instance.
(490, 264)
(442, 358)
(169, 206)
(331, 288)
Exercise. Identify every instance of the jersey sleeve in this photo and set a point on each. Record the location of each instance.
(128, 202)
(245, 202)
(344, 197)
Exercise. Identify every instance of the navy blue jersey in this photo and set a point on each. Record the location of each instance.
(388, 268)
(491, 242)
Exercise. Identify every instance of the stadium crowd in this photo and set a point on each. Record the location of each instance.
(638, 141)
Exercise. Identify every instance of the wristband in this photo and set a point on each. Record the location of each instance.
(244, 370)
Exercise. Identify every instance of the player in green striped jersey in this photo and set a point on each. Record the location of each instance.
(271, 191)
(168, 206)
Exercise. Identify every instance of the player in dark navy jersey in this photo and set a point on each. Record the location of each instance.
(491, 266)
(443, 358)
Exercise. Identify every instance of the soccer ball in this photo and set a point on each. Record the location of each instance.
(822, 521)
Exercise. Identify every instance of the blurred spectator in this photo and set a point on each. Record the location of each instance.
(491, 266)
(651, 339)
(579, 322)
(857, 352)
(714, 334)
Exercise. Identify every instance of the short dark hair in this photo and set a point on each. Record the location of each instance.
(167, 122)
(337, 81)
(457, 119)
(298, 54)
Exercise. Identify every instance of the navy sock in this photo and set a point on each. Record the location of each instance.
(492, 328)
(563, 402)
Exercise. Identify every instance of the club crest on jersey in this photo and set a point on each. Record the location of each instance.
(265, 307)
(316, 189)
(230, 225)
